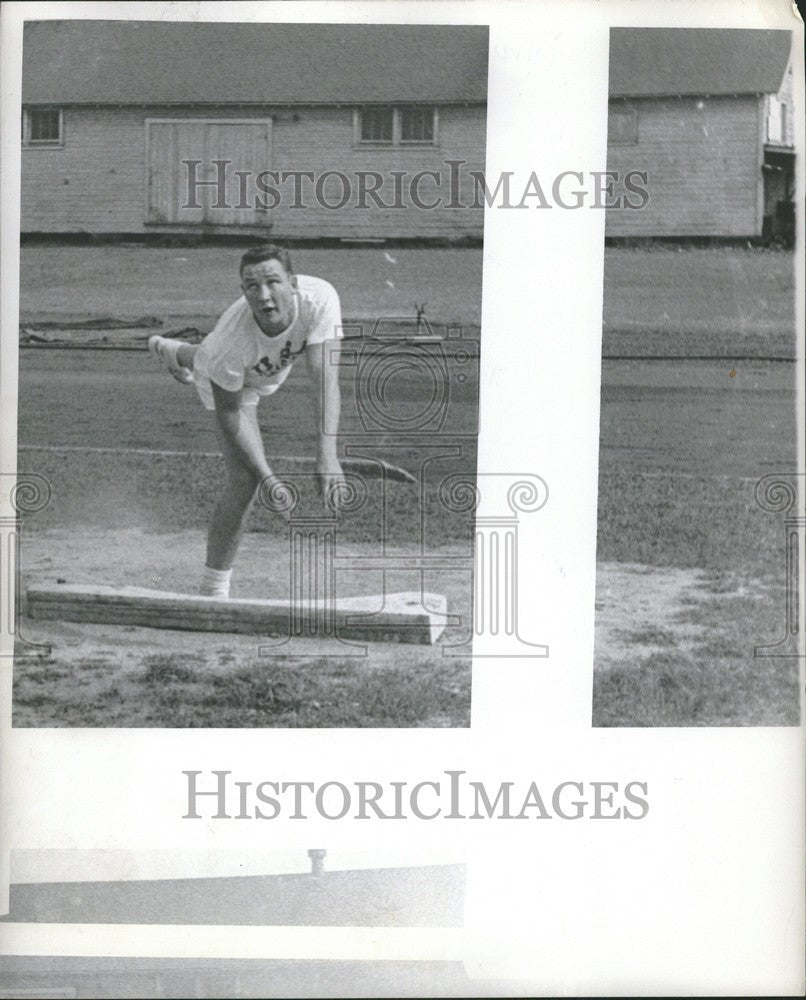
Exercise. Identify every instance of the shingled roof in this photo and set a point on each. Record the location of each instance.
(661, 62)
(160, 62)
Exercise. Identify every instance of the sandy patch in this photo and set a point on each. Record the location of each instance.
(638, 609)
(172, 562)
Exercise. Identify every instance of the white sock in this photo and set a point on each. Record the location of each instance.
(215, 582)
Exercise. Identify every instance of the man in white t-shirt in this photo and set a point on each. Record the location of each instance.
(248, 355)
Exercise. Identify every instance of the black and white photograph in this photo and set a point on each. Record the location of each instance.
(698, 428)
(201, 206)
(349, 650)
(255, 892)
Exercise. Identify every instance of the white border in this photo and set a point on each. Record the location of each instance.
(706, 895)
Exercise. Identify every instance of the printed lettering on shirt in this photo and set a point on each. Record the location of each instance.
(266, 367)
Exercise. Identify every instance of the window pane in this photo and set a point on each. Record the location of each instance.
(376, 125)
(44, 125)
(417, 125)
(775, 130)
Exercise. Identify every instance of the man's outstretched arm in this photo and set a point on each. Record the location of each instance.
(323, 368)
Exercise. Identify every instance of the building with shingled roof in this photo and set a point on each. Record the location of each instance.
(166, 127)
(707, 114)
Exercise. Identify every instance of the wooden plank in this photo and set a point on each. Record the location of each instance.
(400, 617)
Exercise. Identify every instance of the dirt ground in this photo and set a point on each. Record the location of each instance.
(131, 676)
(636, 600)
(683, 647)
(709, 418)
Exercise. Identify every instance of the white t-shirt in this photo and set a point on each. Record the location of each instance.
(236, 354)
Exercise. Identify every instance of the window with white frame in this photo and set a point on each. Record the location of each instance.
(377, 125)
(416, 126)
(42, 127)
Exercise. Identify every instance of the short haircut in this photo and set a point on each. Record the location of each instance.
(266, 251)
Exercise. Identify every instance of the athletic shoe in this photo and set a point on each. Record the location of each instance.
(165, 349)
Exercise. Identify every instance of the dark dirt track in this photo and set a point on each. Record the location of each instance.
(684, 416)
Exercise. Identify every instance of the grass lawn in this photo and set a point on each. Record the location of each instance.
(690, 660)
(212, 689)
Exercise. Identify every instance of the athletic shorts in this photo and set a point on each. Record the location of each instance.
(249, 396)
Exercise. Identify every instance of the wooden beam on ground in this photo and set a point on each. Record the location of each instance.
(399, 617)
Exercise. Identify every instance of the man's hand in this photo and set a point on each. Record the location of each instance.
(329, 479)
(277, 496)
